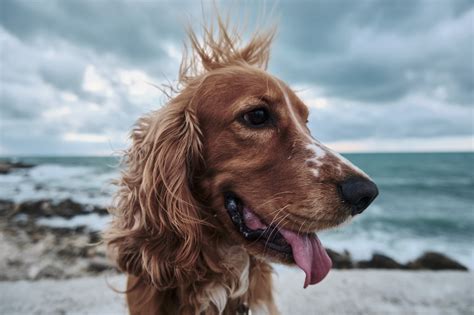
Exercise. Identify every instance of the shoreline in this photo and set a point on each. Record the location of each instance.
(342, 292)
(49, 185)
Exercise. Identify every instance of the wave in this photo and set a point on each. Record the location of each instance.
(93, 221)
(403, 249)
(85, 184)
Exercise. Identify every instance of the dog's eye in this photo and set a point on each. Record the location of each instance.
(257, 117)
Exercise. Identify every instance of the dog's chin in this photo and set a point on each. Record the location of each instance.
(265, 240)
(277, 243)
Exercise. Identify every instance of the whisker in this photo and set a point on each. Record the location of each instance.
(273, 198)
(274, 218)
(276, 215)
(301, 226)
(276, 228)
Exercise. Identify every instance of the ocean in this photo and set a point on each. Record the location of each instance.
(426, 201)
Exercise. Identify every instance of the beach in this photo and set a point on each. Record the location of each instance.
(342, 292)
(65, 270)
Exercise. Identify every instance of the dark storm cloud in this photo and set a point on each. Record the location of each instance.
(346, 122)
(379, 51)
(387, 69)
(130, 29)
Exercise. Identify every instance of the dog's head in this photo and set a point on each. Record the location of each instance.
(231, 156)
(270, 182)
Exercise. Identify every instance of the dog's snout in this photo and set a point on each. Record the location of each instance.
(359, 193)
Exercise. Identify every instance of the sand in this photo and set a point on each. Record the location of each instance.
(343, 292)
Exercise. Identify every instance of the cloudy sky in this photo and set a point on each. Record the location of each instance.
(377, 75)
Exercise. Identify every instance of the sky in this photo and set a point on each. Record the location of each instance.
(377, 75)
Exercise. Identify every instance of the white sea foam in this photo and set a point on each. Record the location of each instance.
(83, 184)
(93, 221)
(402, 248)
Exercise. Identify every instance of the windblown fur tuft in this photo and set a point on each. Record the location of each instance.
(221, 47)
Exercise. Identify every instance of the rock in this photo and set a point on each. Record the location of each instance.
(35, 208)
(6, 208)
(47, 208)
(99, 264)
(68, 208)
(14, 262)
(66, 231)
(435, 261)
(72, 252)
(7, 166)
(100, 211)
(340, 261)
(94, 237)
(48, 271)
(380, 261)
(39, 187)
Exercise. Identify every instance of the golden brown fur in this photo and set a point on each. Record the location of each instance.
(170, 232)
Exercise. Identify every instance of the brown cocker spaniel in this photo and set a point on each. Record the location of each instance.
(223, 180)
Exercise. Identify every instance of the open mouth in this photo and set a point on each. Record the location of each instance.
(253, 229)
(304, 249)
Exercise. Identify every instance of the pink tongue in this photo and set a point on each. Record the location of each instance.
(309, 255)
(307, 250)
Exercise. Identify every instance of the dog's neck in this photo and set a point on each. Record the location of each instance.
(246, 283)
(234, 285)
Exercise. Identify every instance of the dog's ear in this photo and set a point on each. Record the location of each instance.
(157, 231)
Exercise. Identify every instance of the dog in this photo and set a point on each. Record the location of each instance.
(221, 181)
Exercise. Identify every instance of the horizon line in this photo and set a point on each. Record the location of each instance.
(40, 155)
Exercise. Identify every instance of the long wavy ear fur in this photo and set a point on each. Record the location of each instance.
(156, 232)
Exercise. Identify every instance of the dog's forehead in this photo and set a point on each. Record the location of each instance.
(288, 99)
(238, 85)
(278, 92)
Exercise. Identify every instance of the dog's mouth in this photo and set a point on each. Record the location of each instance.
(304, 249)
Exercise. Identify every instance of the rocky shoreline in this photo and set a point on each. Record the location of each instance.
(33, 251)
(7, 166)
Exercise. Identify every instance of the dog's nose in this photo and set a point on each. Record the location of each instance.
(359, 193)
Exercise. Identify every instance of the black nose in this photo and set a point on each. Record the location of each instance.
(359, 193)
